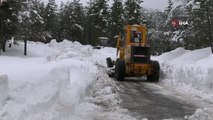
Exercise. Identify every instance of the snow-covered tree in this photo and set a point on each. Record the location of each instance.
(117, 21)
(98, 14)
(6, 26)
(169, 8)
(155, 24)
(133, 11)
(202, 24)
(50, 17)
(71, 21)
(78, 16)
(174, 31)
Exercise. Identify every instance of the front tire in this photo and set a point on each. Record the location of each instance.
(155, 76)
(120, 70)
(109, 62)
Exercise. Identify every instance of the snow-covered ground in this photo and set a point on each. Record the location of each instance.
(188, 71)
(191, 73)
(57, 81)
(67, 81)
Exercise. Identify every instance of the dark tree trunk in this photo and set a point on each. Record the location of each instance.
(4, 45)
(210, 30)
(1, 35)
(25, 47)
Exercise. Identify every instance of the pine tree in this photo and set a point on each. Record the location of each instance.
(178, 34)
(61, 23)
(155, 24)
(66, 21)
(78, 16)
(89, 19)
(101, 15)
(37, 22)
(201, 24)
(98, 14)
(51, 19)
(169, 8)
(5, 23)
(132, 11)
(117, 21)
(71, 21)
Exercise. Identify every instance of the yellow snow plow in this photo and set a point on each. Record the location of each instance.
(133, 55)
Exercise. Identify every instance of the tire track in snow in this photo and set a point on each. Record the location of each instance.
(154, 102)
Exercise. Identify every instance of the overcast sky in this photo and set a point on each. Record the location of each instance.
(154, 4)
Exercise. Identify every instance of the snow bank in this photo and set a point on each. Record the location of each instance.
(102, 101)
(202, 114)
(31, 97)
(69, 50)
(3, 89)
(99, 56)
(34, 49)
(188, 71)
(64, 81)
(56, 81)
(53, 76)
(172, 55)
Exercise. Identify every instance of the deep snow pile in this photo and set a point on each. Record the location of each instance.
(191, 73)
(66, 81)
(188, 71)
(3, 89)
(202, 114)
(57, 81)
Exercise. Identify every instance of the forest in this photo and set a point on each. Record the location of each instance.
(184, 23)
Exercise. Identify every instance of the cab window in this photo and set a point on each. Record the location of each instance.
(135, 36)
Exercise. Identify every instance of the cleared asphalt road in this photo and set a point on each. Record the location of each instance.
(151, 101)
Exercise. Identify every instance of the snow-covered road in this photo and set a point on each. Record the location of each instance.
(154, 102)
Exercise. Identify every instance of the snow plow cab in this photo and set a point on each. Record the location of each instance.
(133, 55)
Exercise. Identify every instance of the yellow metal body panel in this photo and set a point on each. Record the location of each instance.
(137, 28)
(133, 69)
(124, 52)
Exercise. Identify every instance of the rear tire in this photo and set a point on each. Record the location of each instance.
(120, 70)
(109, 62)
(155, 76)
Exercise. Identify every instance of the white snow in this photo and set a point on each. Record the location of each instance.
(189, 72)
(57, 81)
(67, 81)
(3, 89)
(202, 114)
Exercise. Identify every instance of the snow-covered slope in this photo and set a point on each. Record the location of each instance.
(191, 73)
(64, 81)
(57, 81)
(3, 89)
(188, 71)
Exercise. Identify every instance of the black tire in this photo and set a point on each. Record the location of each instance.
(109, 62)
(155, 76)
(111, 75)
(120, 70)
